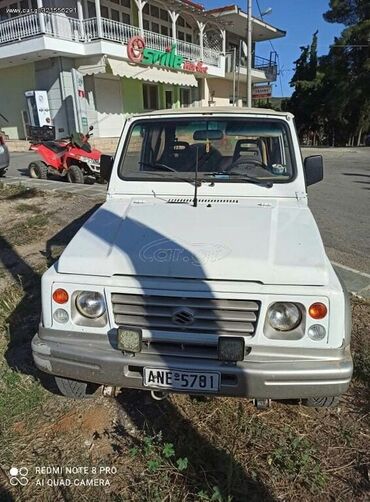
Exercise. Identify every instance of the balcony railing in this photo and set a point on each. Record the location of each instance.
(19, 28)
(67, 28)
(268, 66)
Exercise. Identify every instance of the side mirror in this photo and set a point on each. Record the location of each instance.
(313, 169)
(106, 165)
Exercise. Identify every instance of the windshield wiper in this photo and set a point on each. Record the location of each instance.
(162, 174)
(242, 177)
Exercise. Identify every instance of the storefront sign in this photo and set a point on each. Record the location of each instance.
(262, 92)
(80, 99)
(138, 53)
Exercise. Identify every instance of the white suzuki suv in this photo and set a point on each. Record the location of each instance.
(203, 272)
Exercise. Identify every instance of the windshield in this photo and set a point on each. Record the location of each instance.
(224, 150)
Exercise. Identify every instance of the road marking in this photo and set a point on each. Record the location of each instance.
(353, 270)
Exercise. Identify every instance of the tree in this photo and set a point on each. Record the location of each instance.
(305, 102)
(331, 96)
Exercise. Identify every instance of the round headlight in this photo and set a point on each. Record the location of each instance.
(90, 304)
(284, 316)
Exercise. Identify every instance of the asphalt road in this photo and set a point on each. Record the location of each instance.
(340, 203)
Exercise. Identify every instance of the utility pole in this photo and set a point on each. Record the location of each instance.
(249, 56)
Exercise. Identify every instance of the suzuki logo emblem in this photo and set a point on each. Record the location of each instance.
(183, 317)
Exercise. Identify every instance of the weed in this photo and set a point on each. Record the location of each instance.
(13, 192)
(361, 361)
(295, 457)
(9, 299)
(23, 207)
(25, 232)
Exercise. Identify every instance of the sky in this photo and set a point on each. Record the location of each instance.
(300, 19)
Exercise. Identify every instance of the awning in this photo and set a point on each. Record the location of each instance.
(151, 74)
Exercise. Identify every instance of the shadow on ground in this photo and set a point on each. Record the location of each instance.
(23, 322)
(210, 466)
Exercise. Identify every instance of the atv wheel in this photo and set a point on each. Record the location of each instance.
(75, 389)
(321, 402)
(2, 172)
(75, 175)
(38, 170)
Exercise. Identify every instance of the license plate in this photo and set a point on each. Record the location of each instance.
(181, 380)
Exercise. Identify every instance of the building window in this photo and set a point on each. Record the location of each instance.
(15, 7)
(146, 25)
(189, 38)
(126, 3)
(164, 30)
(115, 1)
(184, 97)
(155, 27)
(164, 15)
(91, 12)
(181, 21)
(180, 35)
(114, 14)
(154, 11)
(146, 9)
(104, 11)
(125, 18)
(150, 97)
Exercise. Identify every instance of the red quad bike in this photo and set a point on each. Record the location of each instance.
(73, 158)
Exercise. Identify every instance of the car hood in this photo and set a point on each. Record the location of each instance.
(255, 240)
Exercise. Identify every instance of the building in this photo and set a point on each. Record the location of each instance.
(100, 60)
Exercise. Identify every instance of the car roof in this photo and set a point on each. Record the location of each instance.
(210, 110)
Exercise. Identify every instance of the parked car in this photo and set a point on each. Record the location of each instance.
(4, 156)
(203, 272)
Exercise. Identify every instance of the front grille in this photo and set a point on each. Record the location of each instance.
(182, 315)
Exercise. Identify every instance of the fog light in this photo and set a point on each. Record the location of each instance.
(129, 340)
(316, 332)
(231, 348)
(61, 316)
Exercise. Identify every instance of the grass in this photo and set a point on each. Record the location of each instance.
(19, 394)
(19, 191)
(22, 207)
(27, 230)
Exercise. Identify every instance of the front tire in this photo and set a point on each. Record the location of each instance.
(75, 389)
(75, 175)
(321, 402)
(2, 172)
(38, 170)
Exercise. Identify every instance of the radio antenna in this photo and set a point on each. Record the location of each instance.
(195, 200)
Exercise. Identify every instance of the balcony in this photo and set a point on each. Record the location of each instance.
(262, 69)
(85, 31)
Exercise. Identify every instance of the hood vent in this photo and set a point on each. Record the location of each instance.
(189, 200)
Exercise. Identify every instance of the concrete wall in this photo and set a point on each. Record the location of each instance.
(14, 81)
(222, 90)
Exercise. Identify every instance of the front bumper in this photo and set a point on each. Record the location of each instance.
(91, 358)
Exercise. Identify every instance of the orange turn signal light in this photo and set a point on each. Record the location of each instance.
(318, 310)
(60, 296)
